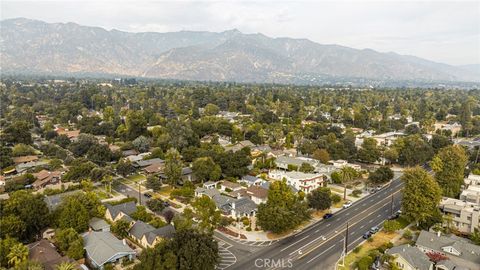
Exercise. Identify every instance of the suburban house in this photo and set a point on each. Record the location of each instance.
(305, 182)
(102, 248)
(239, 146)
(233, 207)
(283, 162)
(243, 207)
(257, 194)
(120, 211)
(466, 215)
(45, 178)
(454, 127)
(147, 235)
(154, 168)
(410, 258)
(388, 138)
(139, 157)
(45, 253)
(131, 152)
(71, 134)
(187, 175)
(460, 251)
(228, 186)
(24, 159)
(250, 180)
(338, 164)
(209, 185)
(98, 225)
(53, 201)
(145, 163)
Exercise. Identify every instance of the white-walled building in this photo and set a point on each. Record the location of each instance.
(305, 182)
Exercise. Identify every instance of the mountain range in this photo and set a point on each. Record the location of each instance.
(36, 47)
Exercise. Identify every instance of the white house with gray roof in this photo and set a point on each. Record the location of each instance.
(410, 258)
(103, 247)
(460, 251)
(147, 235)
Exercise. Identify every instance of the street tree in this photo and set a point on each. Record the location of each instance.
(205, 169)
(319, 198)
(207, 210)
(449, 166)
(173, 166)
(421, 196)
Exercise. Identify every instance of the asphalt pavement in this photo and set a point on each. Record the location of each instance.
(320, 245)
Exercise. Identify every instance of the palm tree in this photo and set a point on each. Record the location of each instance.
(107, 181)
(65, 266)
(346, 173)
(18, 254)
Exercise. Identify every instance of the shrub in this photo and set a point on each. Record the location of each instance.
(356, 192)
(391, 226)
(407, 234)
(249, 229)
(370, 239)
(336, 198)
(245, 221)
(357, 249)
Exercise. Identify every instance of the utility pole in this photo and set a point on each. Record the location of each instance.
(139, 194)
(391, 207)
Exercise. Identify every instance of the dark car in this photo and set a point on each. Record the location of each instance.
(367, 235)
(327, 215)
(166, 204)
(148, 195)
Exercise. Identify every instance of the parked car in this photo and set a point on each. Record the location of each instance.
(378, 188)
(148, 195)
(374, 230)
(327, 215)
(347, 204)
(367, 235)
(166, 204)
(373, 190)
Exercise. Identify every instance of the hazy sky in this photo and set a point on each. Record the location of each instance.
(446, 32)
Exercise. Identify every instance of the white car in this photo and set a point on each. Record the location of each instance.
(347, 204)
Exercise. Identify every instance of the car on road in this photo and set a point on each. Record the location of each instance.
(374, 230)
(166, 204)
(148, 195)
(373, 190)
(327, 215)
(378, 188)
(347, 204)
(367, 235)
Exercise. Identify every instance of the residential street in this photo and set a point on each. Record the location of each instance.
(320, 245)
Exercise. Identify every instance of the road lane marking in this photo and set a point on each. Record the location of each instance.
(314, 258)
(337, 233)
(294, 243)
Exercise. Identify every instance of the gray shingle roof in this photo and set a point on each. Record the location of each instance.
(468, 251)
(140, 228)
(127, 208)
(415, 257)
(54, 201)
(245, 206)
(148, 162)
(102, 246)
(98, 224)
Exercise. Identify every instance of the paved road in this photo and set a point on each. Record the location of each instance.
(320, 245)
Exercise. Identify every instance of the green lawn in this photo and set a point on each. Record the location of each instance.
(379, 239)
(403, 222)
(136, 177)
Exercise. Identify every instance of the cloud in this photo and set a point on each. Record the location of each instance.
(441, 31)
